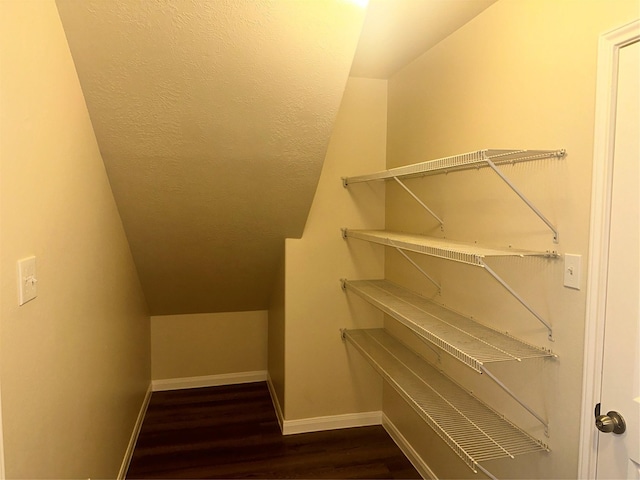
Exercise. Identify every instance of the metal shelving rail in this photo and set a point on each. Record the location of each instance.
(470, 254)
(472, 429)
(481, 158)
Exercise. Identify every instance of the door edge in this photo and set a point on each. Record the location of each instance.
(609, 47)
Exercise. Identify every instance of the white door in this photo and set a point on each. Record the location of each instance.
(612, 340)
(619, 455)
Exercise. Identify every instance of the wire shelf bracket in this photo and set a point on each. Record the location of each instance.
(420, 202)
(418, 267)
(527, 202)
(482, 158)
(510, 392)
(522, 301)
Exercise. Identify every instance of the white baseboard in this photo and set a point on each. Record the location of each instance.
(416, 460)
(331, 422)
(276, 403)
(208, 380)
(318, 424)
(128, 454)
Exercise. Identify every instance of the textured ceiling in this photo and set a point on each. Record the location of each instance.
(213, 118)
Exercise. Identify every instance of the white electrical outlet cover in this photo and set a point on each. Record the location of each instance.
(572, 270)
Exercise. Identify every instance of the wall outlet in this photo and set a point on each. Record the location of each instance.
(27, 281)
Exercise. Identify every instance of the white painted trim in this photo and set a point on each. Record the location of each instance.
(128, 454)
(208, 380)
(416, 460)
(331, 422)
(606, 92)
(2, 471)
(276, 402)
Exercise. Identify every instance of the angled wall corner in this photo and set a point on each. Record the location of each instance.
(322, 377)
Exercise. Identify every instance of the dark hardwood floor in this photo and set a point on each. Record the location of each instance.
(232, 432)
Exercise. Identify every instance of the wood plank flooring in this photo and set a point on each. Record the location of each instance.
(232, 432)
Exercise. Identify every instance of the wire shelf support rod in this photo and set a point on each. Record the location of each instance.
(418, 267)
(528, 202)
(510, 392)
(422, 204)
(522, 301)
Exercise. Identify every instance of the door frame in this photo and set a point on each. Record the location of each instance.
(609, 47)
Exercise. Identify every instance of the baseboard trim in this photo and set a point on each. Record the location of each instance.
(276, 403)
(318, 424)
(416, 460)
(208, 380)
(128, 454)
(331, 422)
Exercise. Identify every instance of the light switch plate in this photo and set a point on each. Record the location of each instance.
(27, 281)
(572, 270)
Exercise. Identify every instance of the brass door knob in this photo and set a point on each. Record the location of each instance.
(612, 422)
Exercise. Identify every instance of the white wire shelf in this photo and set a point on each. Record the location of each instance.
(465, 339)
(480, 158)
(473, 430)
(469, 253)
(457, 162)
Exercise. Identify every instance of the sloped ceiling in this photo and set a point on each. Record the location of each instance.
(396, 32)
(213, 118)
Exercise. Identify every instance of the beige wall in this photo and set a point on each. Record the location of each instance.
(75, 361)
(520, 75)
(323, 377)
(276, 334)
(208, 344)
